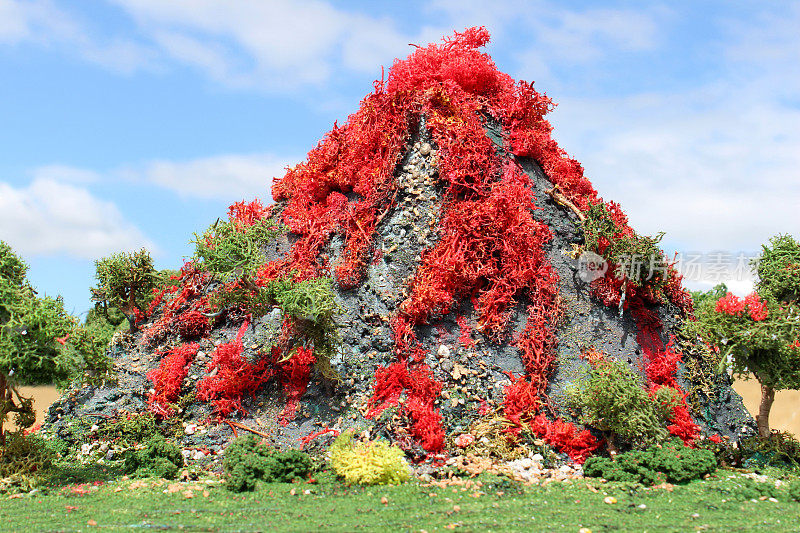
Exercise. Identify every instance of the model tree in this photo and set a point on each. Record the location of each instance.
(760, 334)
(125, 282)
(40, 343)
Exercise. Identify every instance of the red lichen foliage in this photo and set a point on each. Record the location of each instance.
(245, 214)
(295, 373)
(180, 303)
(523, 400)
(231, 378)
(421, 391)
(661, 367)
(730, 304)
(193, 324)
(168, 377)
(465, 332)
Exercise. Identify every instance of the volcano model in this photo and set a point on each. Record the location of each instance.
(436, 265)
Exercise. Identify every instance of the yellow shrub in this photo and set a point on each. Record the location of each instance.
(368, 463)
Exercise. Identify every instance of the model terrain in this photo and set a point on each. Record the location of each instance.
(418, 275)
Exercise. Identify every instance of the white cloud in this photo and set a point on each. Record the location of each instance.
(725, 177)
(276, 45)
(49, 217)
(224, 177)
(37, 20)
(65, 173)
(41, 22)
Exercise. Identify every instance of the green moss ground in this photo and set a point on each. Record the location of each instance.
(716, 504)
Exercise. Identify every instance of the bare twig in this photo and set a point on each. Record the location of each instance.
(560, 199)
(251, 430)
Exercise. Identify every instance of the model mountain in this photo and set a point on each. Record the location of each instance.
(437, 269)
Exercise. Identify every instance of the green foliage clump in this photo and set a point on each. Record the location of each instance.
(159, 458)
(638, 258)
(40, 343)
(611, 398)
(132, 428)
(248, 460)
(674, 463)
(233, 250)
(312, 305)
(778, 270)
(25, 455)
(368, 463)
(125, 281)
(744, 488)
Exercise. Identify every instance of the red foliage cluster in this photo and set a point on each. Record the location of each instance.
(234, 377)
(245, 214)
(490, 246)
(421, 392)
(295, 373)
(730, 304)
(168, 377)
(579, 444)
(661, 366)
(181, 303)
(193, 324)
(465, 335)
(523, 400)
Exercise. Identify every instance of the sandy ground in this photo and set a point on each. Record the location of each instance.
(785, 412)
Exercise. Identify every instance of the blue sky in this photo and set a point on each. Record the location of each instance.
(128, 123)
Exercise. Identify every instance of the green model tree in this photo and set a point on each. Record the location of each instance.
(125, 282)
(760, 333)
(40, 343)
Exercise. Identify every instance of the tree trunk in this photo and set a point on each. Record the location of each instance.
(3, 406)
(762, 420)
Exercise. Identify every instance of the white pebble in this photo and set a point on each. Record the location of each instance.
(443, 351)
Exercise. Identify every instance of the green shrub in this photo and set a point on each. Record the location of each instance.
(247, 461)
(674, 463)
(625, 248)
(159, 458)
(233, 250)
(368, 463)
(125, 282)
(25, 455)
(611, 398)
(133, 428)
